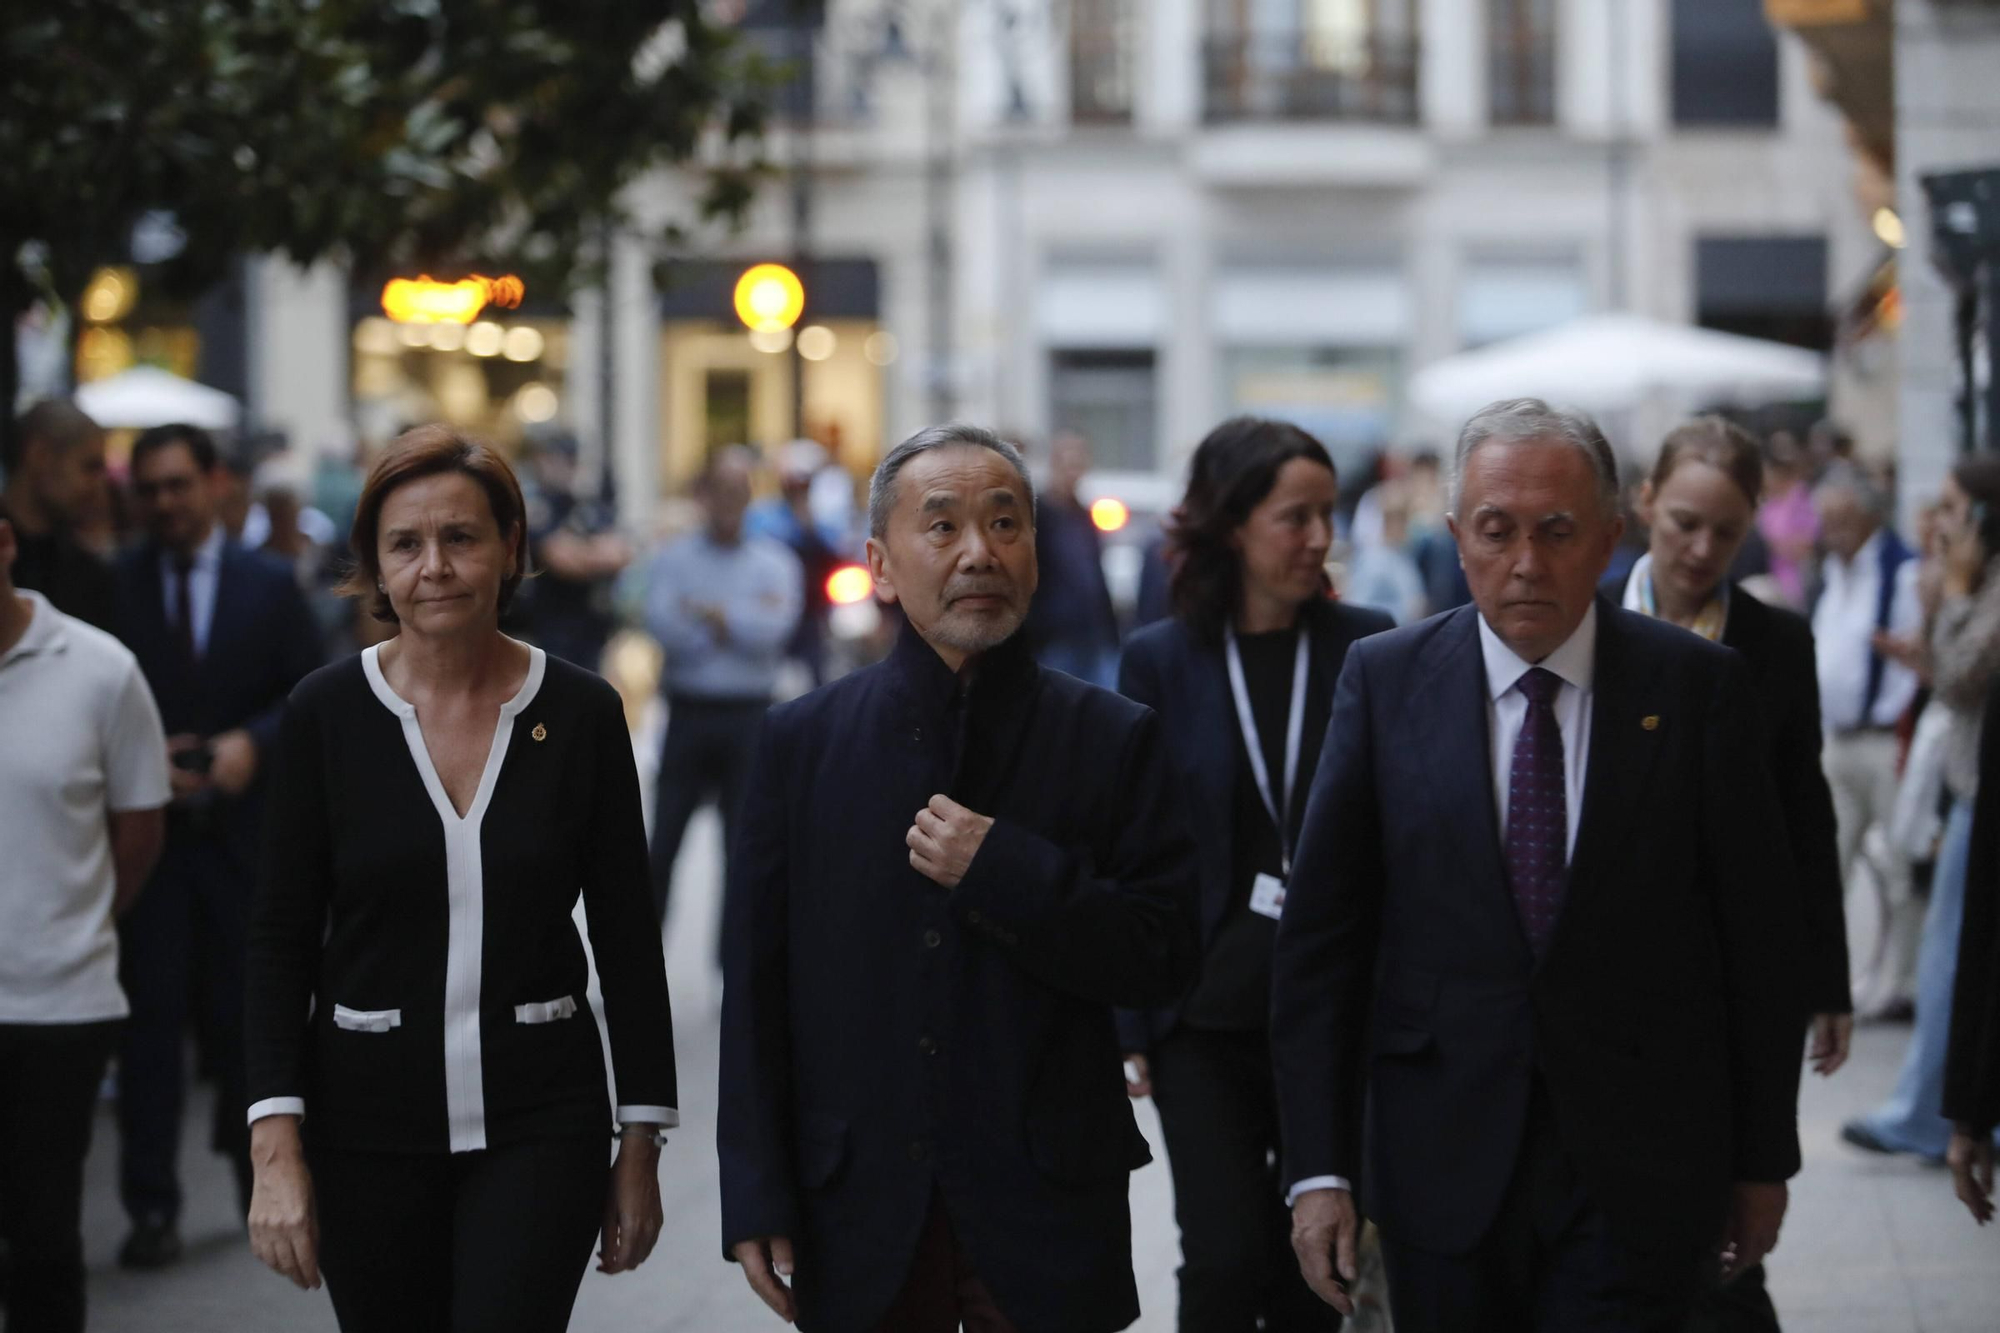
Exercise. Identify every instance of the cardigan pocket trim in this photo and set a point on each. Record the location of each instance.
(546, 1012)
(366, 1020)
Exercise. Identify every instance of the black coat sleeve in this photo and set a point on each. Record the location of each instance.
(288, 909)
(1809, 823)
(624, 934)
(1119, 933)
(1756, 910)
(1324, 960)
(295, 645)
(1138, 680)
(1972, 1065)
(753, 1122)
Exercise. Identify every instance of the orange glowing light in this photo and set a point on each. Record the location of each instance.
(769, 297)
(1109, 515)
(849, 584)
(424, 300)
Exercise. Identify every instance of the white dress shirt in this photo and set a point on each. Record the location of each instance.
(1506, 711)
(1843, 623)
(205, 573)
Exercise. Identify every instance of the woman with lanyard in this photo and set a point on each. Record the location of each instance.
(1699, 506)
(1242, 676)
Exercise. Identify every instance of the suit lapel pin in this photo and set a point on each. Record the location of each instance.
(1651, 722)
(541, 733)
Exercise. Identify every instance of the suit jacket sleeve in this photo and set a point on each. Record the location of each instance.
(288, 912)
(1972, 1065)
(1138, 680)
(297, 645)
(1119, 933)
(1755, 903)
(1808, 806)
(624, 935)
(753, 1130)
(1324, 959)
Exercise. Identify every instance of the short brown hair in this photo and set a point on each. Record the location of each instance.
(428, 451)
(1718, 442)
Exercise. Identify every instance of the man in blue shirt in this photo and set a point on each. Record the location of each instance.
(723, 605)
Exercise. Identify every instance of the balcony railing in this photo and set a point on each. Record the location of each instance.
(1308, 75)
(1521, 80)
(1100, 62)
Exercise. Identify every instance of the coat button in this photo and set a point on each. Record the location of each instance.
(932, 939)
(927, 1044)
(919, 1150)
(975, 918)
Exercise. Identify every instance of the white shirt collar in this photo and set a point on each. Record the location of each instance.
(1864, 559)
(208, 555)
(1575, 661)
(44, 632)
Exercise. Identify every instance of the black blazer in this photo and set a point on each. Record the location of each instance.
(261, 642)
(883, 1038)
(357, 919)
(1410, 1016)
(1972, 1064)
(1186, 681)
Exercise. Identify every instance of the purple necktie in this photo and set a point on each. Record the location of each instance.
(1538, 812)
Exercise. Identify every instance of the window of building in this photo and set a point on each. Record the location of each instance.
(1346, 396)
(1725, 64)
(1101, 46)
(1109, 396)
(1502, 298)
(1311, 60)
(1764, 287)
(1521, 62)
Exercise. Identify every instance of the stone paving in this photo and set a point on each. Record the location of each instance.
(1873, 1245)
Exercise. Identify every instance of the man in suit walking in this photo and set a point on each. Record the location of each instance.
(1532, 993)
(222, 635)
(950, 867)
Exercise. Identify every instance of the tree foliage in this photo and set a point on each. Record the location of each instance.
(436, 135)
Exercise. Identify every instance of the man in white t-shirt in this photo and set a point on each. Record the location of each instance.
(83, 790)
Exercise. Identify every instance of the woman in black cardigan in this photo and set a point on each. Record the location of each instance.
(1699, 506)
(429, 1121)
(1242, 677)
(1972, 1062)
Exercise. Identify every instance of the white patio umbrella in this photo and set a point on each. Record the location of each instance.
(1618, 363)
(148, 396)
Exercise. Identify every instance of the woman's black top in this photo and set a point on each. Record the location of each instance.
(416, 980)
(1234, 994)
(1972, 1064)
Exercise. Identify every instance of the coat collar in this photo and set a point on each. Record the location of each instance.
(923, 676)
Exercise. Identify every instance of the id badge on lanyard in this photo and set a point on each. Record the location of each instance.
(1267, 893)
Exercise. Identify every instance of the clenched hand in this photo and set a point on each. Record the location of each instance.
(944, 840)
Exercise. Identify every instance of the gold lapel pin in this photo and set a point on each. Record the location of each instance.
(1651, 722)
(541, 733)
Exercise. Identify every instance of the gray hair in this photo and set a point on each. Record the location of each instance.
(1521, 420)
(1845, 479)
(882, 487)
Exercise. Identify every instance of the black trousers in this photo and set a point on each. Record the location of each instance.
(706, 755)
(1219, 1110)
(190, 919)
(494, 1241)
(1549, 1264)
(49, 1075)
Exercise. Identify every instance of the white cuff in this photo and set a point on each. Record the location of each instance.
(666, 1117)
(271, 1106)
(1311, 1183)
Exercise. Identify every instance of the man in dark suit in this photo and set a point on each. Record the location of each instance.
(949, 869)
(222, 635)
(1533, 994)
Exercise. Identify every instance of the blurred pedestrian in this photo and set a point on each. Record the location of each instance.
(1700, 506)
(83, 781)
(1381, 574)
(1254, 624)
(578, 554)
(55, 477)
(427, 1097)
(920, 1122)
(1788, 519)
(1868, 590)
(1552, 1036)
(1072, 625)
(1972, 1060)
(223, 634)
(723, 604)
(788, 517)
(1962, 655)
